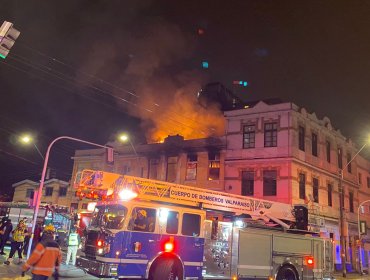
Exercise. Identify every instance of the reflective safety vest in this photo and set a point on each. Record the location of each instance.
(18, 235)
(73, 239)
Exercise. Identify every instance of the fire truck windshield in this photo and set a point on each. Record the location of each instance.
(109, 216)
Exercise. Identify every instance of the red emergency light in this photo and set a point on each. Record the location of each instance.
(309, 261)
(100, 243)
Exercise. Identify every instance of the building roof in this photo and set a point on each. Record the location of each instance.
(32, 183)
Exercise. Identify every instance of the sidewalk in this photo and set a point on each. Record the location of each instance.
(14, 270)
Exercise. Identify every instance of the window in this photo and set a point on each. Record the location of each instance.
(330, 195)
(270, 134)
(269, 182)
(302, 185)
(247, 183)
(314, 144)
(351, 202)
(49, 191)
(171, 169)
(30, 193)
(62, 191)
(368, 182)
(125, 169)
(301, 138)
(327, 151)
(315, 187)
(74, 206)
(340, 162)
(109, 216)
(153, 168)
(249, 134)
(359, 178)
(213, 166)
(172, 222)
(349, 164)
(190, 224)
(142, 219)
(84, 206)
(191, 167)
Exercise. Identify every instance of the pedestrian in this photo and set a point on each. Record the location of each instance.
(26, 241)
(36, 236)
(2, 226)
(17, 243)
(46, 257)
(73, 243)
(8, 228)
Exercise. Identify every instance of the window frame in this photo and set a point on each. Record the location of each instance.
(315, 189)
(351, 202)
(302, 185)
(301, 138)
(269, 183)
(314, 143)
(47, 189)
(340, 157)
(30, 193)
(64, 194)
(328, 150)
(214, 166)
(270, 134)
(249, 135)
(330, 195)
(185, 226)
(247, 183)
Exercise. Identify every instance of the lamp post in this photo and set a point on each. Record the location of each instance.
(125, 138)
(341, 213)
(39, 193)
(359, 233)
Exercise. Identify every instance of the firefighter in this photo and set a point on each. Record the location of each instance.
(17, 243)
(46, 257)
(141, 222)
(7, 228)
(73, 244)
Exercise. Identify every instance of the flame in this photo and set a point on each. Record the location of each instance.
(187, 118)
(171, 110)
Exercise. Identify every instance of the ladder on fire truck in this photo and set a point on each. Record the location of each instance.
(110, 186)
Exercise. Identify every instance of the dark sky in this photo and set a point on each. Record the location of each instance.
(89, 69)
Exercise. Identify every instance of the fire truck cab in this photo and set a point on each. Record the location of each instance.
(157, 230)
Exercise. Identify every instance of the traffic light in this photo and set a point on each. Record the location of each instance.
(8, 35)
(301, 216)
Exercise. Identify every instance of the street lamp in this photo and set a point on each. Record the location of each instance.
(341, 213)
(27, 139)
(359, 233)
(124, 138)
(39, 193)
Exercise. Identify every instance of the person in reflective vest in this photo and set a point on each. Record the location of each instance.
(73, 244)
(46, 258)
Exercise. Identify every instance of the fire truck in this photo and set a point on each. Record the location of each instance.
(149, 229)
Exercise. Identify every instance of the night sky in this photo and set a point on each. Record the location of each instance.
(90, 69)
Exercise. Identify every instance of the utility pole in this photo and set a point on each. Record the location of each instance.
(343, 252)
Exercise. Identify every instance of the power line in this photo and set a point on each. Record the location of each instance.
(114, 86)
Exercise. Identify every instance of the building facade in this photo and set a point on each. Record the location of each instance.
(281, 152)
(192, 162)
(55, 192)
(277, 152)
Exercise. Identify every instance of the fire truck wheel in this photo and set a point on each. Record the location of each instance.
(166, 269)
(287, 272)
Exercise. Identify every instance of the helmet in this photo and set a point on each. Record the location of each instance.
(142, 212)
(49, 228)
